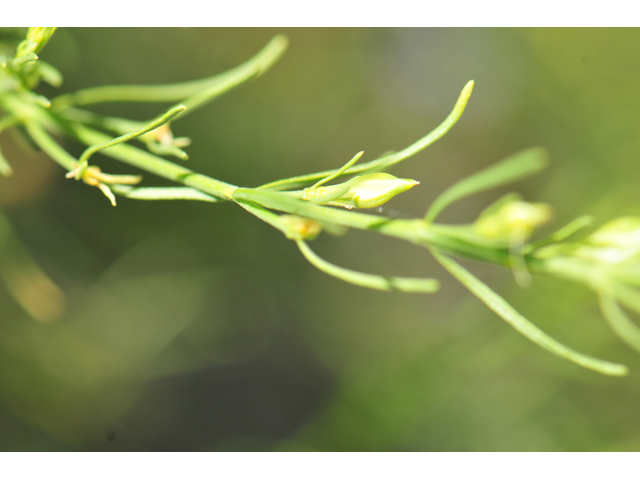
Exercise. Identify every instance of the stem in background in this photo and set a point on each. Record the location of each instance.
(5, 122)
(25, 280)
(50, 146)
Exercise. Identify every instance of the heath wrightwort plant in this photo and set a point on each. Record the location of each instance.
(607, 261)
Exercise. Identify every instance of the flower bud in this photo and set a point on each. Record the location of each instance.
(615, 242)
(37, 38)
(299, 228)
(373, 189)
(510, 214)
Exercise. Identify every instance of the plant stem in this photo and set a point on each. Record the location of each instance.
(156, 165)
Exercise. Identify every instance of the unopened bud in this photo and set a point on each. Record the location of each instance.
(511, 214)
(374, 189)
(615, 242)
(37, 38)
(299, 228)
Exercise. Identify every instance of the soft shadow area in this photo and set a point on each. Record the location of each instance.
(242, 406)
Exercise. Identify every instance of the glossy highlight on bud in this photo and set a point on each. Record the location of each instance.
(374, 189)
(510, 214)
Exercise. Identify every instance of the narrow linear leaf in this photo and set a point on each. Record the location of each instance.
(496, 303)
(162, 193)
(172, 150)
(221, 83)
(48, 145)
(158, 122)
(618, 319)
(386, 160)
(117, 125)
(23, 59)
(5, 168)
(433, 136)
(561, 235)
(628, 296)
(513, 168)
(339, 172)
(50, 74)
(377, 282)
(29, 285)
(263, 214)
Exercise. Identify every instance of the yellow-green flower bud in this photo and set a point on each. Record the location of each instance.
(37, 38)
(299, 228)
(373, 189)
(510, 214)
(614, 242)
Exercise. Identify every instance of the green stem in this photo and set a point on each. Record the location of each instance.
(416, 231)
(156, 165)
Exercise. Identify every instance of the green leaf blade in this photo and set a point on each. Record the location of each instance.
(511, 169)
(386, 160)
(618, 319)
(214, 86)
(376, 282)
(496, 303)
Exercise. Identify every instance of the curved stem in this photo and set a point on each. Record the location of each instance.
(377, 282)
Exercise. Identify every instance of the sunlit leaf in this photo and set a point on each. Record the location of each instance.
(500, 306)
(513, 168)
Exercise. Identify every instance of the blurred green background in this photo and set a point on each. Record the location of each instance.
(196, 327)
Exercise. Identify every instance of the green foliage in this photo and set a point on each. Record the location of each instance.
(607, 269)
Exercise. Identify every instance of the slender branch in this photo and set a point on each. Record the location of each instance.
(154, 164)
